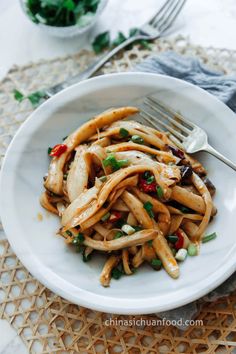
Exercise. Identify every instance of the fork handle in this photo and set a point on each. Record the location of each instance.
(91, 69)
(219, 156)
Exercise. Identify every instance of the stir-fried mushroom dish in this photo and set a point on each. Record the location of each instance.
(125, 189)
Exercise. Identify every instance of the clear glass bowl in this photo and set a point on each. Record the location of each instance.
(85, 25)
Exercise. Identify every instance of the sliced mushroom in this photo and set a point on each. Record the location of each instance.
(45, 202)
(77, 178)
(125, 260)
(111, 263)
(138, 238)
(54, 179)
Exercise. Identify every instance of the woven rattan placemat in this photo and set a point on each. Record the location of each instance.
(46, 322)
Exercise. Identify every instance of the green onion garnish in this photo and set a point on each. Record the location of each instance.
(65, 137)
(113, 163)
(137, 139)
(79, 239)
(150, 243)
(118, 234)
(49, 150)
(209, 237)
(148, 207)
(172, 238)
(65, 176)
(146, 175)
(159, 192)
(69, 233)
(123, 133)
(156, 264)
(116, 273)
(106, 217)
(87, 257)
(150, 179)
(192, 250)
(137, 228)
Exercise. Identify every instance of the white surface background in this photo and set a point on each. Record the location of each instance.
(206, 22)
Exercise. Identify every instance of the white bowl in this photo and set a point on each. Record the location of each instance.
(69, 31)
(56, 265)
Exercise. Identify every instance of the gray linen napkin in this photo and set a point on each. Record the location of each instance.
(224, 88)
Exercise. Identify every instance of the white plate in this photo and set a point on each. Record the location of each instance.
(56, 265)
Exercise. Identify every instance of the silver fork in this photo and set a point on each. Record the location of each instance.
(153, 29)
(185, 134)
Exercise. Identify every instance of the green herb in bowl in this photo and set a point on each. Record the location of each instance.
(63, 18)
(60, 13)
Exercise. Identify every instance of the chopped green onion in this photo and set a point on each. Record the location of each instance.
(173, 250)
(69, 233)
(137, 139)
(146, 175)
(150, 243)
(148, 207)
(192, 250)
(159, 192)
(103, 178)
(79, 239)
(106, 217)
(116, 273)
(129, 230)
(156, 263)
(65, 137)
(181, 254)
(113, 163)
(137, 228)
(123, 133)
(65, 176)
(86, 258)
(150, 179)
(49, 150)
(209, 237)
(172, 238)
(118, 234)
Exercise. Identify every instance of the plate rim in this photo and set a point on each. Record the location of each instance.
(106, 303)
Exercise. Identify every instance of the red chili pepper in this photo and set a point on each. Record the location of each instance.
(179, 244)
(147, 188)
(58, 150)
(115, 216)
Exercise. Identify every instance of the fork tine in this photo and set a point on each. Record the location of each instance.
(160, 12)
(155, 125)
(160, 122)
(174, 114)
(170, 17)
(166, 116)
(176, 142)
(168, 22)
